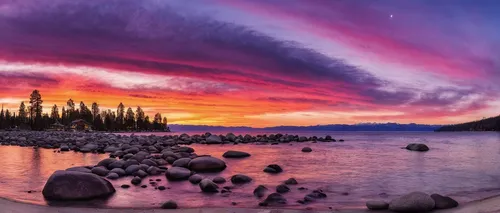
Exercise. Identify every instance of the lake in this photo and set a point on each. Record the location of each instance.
(368, 165)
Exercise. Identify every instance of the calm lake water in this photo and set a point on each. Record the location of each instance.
(369, 165)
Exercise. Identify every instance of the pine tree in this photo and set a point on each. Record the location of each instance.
(54, 114)
(120, 116)
(22, 117)
(95, 110)
(64, 116)
(157, 122)
(85, 113)
(2, 119)
(164, 122)
(130, 119)
(71, 114)
(139, 117)
(147, 123)
(7, 123)
(36, 110)
(98, 124)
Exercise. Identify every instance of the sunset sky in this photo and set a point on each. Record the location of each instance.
(260, 62)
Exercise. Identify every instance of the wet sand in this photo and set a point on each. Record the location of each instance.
(489, 205)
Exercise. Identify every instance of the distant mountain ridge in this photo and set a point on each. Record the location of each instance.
(329, 127)
(488, 124)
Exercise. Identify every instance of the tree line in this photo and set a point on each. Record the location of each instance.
(31, 116)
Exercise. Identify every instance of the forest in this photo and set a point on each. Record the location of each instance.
(30, 116)
(486, 124)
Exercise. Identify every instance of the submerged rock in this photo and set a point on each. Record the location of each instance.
(282, 188)
(71, 185)
(417, 147)
(206, 185)
(291, 181)
(274, 199)
(413, 202)
(273, 168)
(377, 205)
(307, 149)
(240, 179)
(235, 154)
(443, 202)
(260, 191)
(169, 205)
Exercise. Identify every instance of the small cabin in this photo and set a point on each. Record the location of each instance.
(56, 127)
(80, 125)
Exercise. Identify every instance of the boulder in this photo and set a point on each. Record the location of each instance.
(413, 202)
(443, 202)
(274, 199)
(206, 185)
(316, 194)
(219, 180)
(417, 147)
(136, 181)
(282, 188)
(153, 170)
(240, 179)
(377, 205)
(117, 164)
(235, 154)
(178, 173)
(307, 149)
(291, 181)
(195, 179)
(112, 176)
(273, 168)
(132, 169)
(90, 147)
(149, 162)
(130, 162)
(182, 162)
(101, 171)
(213, 139)
(207, 164)
(119, 171)
(71, 185)
(106, 162)
(231, 137)
(169, 205)
(64, 148)
(79, 169)
(141, 173)
(260, 191)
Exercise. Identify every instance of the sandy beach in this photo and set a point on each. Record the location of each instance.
(489, 205)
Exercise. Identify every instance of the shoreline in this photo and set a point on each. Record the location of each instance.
(487, 205)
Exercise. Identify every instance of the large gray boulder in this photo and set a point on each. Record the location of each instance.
(207, 164)
(214, 139)
(413, 202)
(417, 147)
(235, 154)
(274, 199)
(178, 173)
(206, 185)
(90, 147)
(71, 185)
